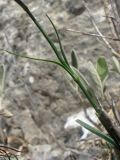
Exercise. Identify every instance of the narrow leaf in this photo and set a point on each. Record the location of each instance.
(97, 132)
(102, 68)
(37, 59)
(85, 86)
(26, 9)
(83, 81)
(60, 44)
(74, 60)
(62, 62)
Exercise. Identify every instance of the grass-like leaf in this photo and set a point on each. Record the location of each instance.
(33, 58)
(60, 44)
(26, 9)
(63, 62)
(61, 58)
(74, 60)
(97, 132)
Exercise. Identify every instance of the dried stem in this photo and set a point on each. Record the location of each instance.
(93, 34)
(99, 32)
(117, 3)
(115, 112)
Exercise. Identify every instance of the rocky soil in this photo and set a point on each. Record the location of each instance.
(39, 94)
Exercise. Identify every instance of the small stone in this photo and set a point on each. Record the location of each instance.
(31, 79)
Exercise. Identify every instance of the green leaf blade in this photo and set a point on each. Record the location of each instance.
(97, 132)
(74, 60)
(102, 68)
(33, 58)
(60, 44)
(26, 9)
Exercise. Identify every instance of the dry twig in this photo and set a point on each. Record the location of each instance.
(93, 34)
(99, 32)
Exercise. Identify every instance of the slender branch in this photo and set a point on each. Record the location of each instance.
(9, 148)
(99, 32)
(93, 34)
(111, 19)
(117, 3)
